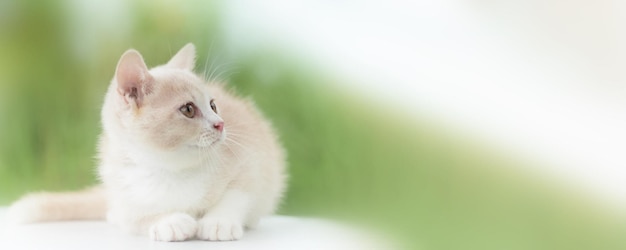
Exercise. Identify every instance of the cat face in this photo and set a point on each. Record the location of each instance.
(167, 107)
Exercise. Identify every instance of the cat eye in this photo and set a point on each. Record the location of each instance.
(188, 110)
(213, 107)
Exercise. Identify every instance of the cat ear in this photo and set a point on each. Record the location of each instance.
(184, 59)
(132, 77)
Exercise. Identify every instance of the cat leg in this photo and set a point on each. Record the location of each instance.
(225, 221)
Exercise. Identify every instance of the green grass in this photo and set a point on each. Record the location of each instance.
(351, 158)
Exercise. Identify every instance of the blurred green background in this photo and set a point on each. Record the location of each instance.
(350, 157)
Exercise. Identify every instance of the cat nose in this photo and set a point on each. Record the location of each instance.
(219, 126)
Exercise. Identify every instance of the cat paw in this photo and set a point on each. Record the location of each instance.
(175, 227)
(219, 229)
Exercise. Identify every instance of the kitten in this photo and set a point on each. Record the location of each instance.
(179, 158)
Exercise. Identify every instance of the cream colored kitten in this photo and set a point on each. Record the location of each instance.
(179, 158)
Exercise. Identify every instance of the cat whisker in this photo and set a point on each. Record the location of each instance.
(243, 141)
(207, 159)
(206, 61)
(233, 123)
(241, 137)
(237, 156)
(224, 71)
(238, 144)
(211, 70)
(218, 71)
(231, 72)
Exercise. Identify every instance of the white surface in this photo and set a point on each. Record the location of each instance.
(277, 232)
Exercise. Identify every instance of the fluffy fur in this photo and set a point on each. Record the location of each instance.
(169, 176)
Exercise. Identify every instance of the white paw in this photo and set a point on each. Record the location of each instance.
(175, 227)
(215, 229)
(26, 210)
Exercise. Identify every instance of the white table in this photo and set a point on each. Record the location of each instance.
(277, 232)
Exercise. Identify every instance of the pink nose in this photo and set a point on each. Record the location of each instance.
(219, 126)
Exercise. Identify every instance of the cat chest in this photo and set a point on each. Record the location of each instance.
(159, 190)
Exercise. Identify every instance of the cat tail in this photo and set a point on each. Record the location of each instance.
(87, 204)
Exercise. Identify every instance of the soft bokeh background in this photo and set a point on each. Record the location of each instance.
(444, 124)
